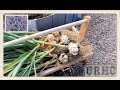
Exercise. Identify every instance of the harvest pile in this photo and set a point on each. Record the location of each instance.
(32, 57)
(45, 54)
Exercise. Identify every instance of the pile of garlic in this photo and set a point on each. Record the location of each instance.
(72, 47)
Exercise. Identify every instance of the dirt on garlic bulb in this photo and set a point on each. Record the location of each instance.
(63, 58)
(73, 48)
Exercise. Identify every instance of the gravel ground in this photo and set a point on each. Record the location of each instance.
(102, 35)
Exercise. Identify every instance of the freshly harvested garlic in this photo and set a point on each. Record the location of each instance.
(54, 42)
(73, 48)
(51, 37)
(64, 39)
(63, 58)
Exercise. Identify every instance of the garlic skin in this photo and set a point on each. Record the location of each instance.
(64, 39)
(63, 58)
(73, 48)
(54, 42)
(51, 37)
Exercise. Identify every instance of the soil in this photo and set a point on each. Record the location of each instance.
(36, 16)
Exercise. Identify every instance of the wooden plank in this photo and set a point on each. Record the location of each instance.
(44, 23)
(58, 19)
(69, 18)
(84, 27)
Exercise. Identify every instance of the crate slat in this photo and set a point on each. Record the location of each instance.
(44, 23)
(58, 19)
(69, 18)
(75, 17)
(52, 21)
(32, 25)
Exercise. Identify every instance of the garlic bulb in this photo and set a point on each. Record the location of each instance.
(54, 42)
(64, 39)
(73, 48)
(63, 58)
(51, 37)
